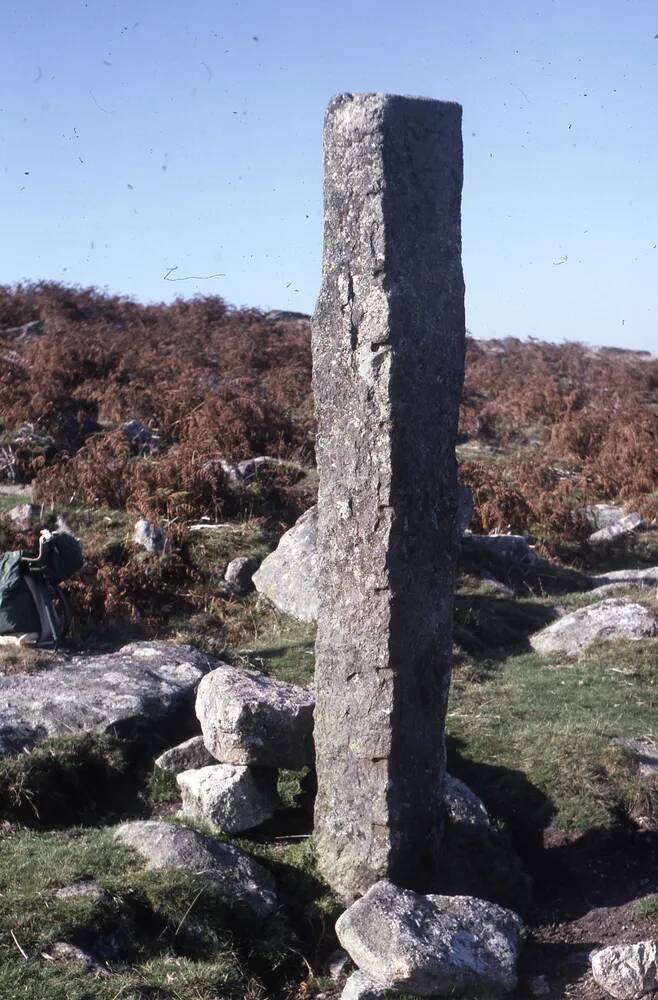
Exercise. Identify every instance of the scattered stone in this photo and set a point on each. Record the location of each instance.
(239, 574)
(234, 876)
(641, 578)
(231, 797)
(144, 682)
(626, 526)
(644, 754)
(186, 756)
(241, 473)
(23, 516)
(62, 951)
(86, 889)
(288, 577)
(137, 434)
(463, 805)
(387, 331)
(605, 515)
(627, 971)
(505, 550)
(360, 986)
(492, 583)
(614, 618)
(151, 537)
(248, 718)
(432, 945)
(26, 332)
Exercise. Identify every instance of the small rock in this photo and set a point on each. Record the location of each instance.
(431, 945)
(360, 986)
(230, 796)
(239, 573)
(23, 516)
(62, 951)
(505, 550)
(627, 971)
(604, 515)
(186, 756)
(151, 537)
(86, 889)
(289, 576)
(614, 618)
(626, 578)
(137, 434)
(644, 754)
(247, 718)
(463, 805)
(232, 875)
(626, 526)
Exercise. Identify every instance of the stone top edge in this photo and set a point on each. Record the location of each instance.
(382, 98)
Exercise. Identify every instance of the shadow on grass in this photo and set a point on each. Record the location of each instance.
(493, 627)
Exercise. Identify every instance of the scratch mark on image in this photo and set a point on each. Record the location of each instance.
(191, 277)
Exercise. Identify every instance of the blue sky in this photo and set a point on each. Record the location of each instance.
(140, 137)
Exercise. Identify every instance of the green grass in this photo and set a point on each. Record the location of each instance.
(537, 737)
(646, 908)
(174, 940)
(284, 648)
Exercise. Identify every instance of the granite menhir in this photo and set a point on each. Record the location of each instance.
(388, 360)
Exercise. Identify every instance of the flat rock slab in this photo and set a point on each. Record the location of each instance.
(643, 578)
(142, 682)
(248, 718)
(186, 756)
(288, 577)
(614, 618)
(432, 945)
(232, 875)
(627, 971)
(231, 797)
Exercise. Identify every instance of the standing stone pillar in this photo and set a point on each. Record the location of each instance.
(388, 355)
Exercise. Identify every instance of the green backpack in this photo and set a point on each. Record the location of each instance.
(29, 586)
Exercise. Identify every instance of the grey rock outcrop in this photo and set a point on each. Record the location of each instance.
(641, 578)
(627, 971)
(151, 537)
(288, 577)
(463, 805)
(23, 516)
(231, 797)
(239, 574)
(613, 618)
(142, 682)
(388, 353)
(605, 515)
(432, 945)
(229, 873)
(360, 986)
(625, 526)
(248, 718)
(186, 756)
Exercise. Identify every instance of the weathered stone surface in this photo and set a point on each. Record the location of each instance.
(248, 718)
(239, 574)
(614, 618)
(642, 578)
(230, 796)
(151, 537)
(63, 951)
(388, 354)
(85, 889)
(186, 756)
(625, 526)
(463, 805)
(226, 870)
(360, 986)
(605, 515)
(644, 754)
(432, 945)
(144, 681)
(288, 577)
(23, 516)
(627, 971)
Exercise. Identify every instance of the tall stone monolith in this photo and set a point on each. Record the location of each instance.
(388, 355)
